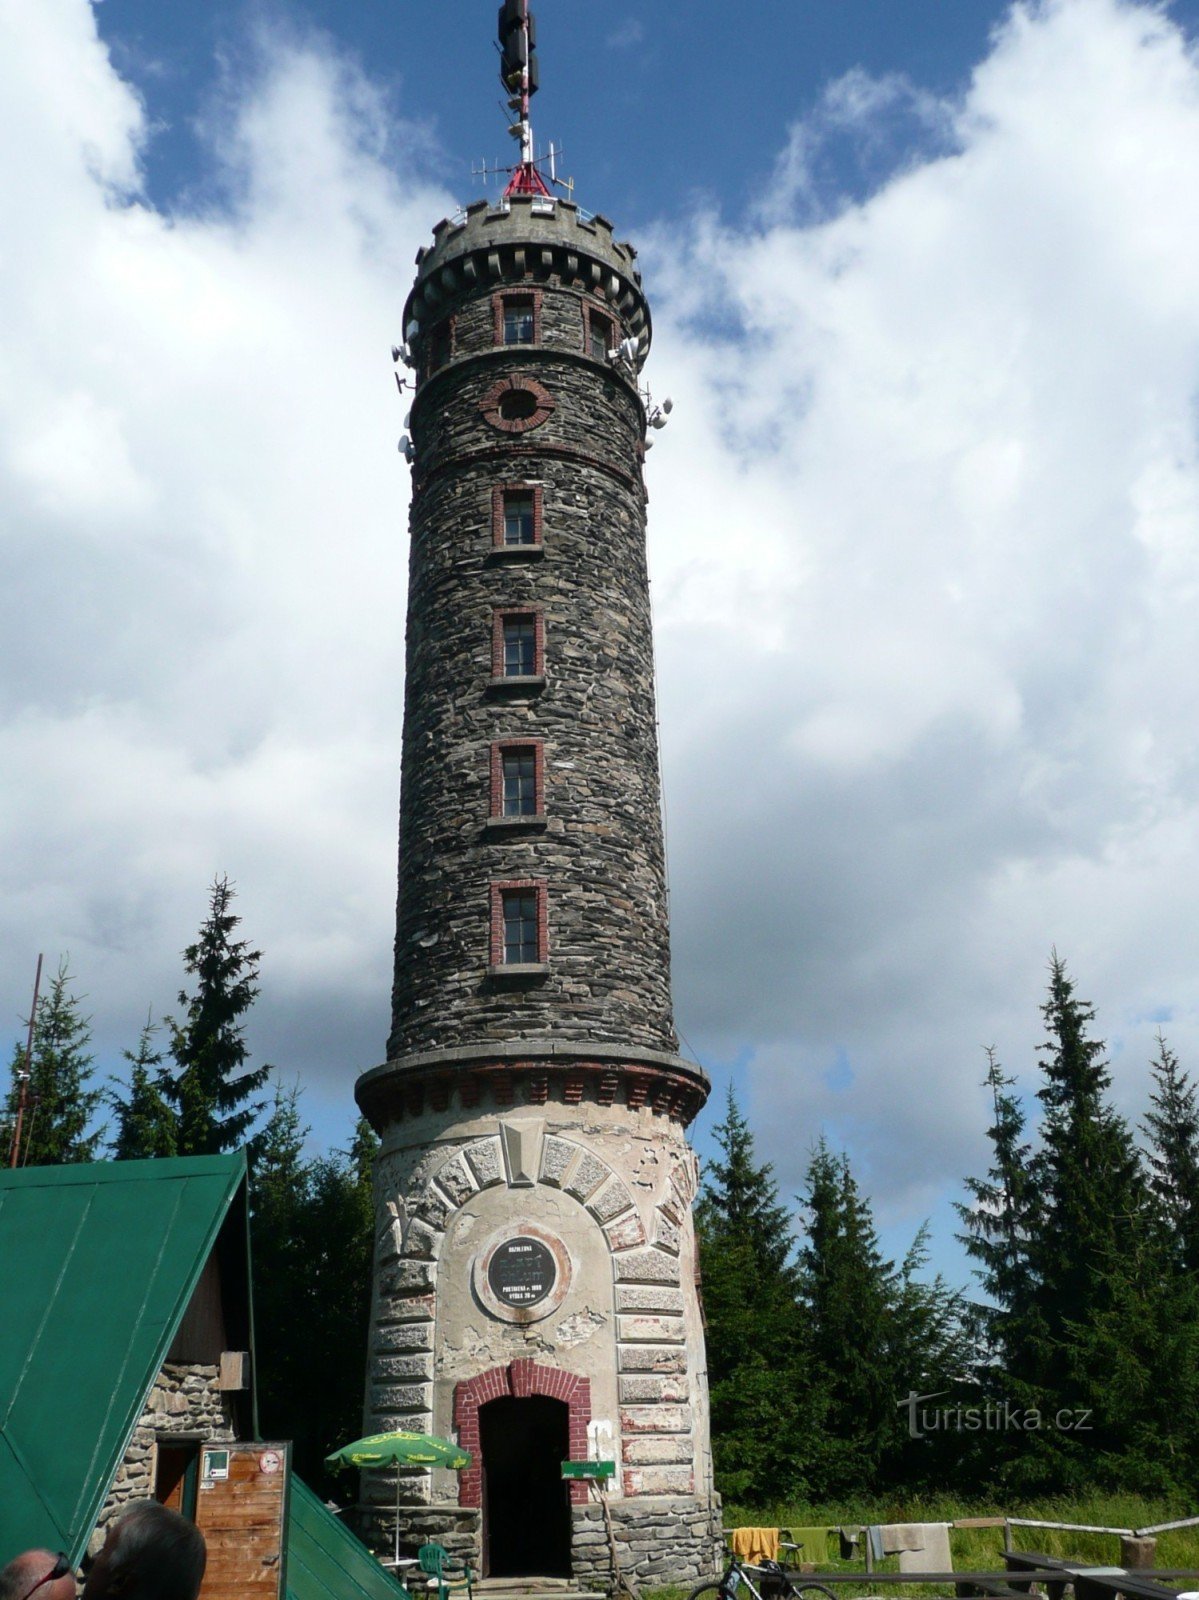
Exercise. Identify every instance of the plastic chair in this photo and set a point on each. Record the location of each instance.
(446, 1576)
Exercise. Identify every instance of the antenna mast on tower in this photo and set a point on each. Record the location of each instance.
(520, 76)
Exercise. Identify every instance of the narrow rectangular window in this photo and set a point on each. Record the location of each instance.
(519, 923)
(520, 321)
(517, 646)
(520, 647)
(517, 780)
(520, 782)
(520, 927)
(600, 335)
(520, 522)
(516, 516)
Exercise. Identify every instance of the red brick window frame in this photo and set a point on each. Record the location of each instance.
(600, 333)
(514, 405)
(506, 301)
(503, 496)
(510, 748)
(520, 1379)
(510, 638)
(504, 896)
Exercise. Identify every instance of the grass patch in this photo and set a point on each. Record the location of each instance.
(980, 1549)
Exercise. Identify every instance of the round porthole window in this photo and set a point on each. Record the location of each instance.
(514, 405)
(517, 405)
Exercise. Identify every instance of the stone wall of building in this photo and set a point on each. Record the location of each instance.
(659, 1542)
(597, 847)
(185, 1399)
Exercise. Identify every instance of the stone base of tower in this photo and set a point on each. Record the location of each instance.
(535, 1298)
(659, 1539)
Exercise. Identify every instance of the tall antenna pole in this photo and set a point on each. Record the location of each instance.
(14, 1149)
(526, 125)
(519, 75)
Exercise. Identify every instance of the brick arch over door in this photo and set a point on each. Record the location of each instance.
(520, 1379)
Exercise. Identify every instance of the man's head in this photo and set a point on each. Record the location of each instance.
(50, 1575)
(149, 1553)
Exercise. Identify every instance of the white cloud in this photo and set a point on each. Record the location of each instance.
(925, 547)
(628, 36)
(203, 559)
(923, 531)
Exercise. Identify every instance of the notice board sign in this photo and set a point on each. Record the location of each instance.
(589, 1469)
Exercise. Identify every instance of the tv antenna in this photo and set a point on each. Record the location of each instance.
(521, 77)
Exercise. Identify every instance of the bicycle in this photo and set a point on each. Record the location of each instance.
(777, 1584)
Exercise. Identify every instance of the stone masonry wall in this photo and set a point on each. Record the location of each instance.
(598, 849)
(184, 1399)
(658, 1542)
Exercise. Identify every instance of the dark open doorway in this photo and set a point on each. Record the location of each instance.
(526, 1505)
(175, 1471)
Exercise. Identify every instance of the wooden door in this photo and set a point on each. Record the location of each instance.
(241, 1509)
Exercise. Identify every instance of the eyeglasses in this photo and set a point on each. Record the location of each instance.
(61, 1569)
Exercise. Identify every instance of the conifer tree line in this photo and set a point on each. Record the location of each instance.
(1071, 1366)
(1083, 1232)
(192, 1090)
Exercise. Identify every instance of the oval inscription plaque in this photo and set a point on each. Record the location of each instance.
(522, 1271)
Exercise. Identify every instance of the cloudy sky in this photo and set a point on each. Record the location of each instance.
(924, 527)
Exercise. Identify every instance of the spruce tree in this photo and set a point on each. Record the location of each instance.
(756, 1371)
(339, 1237)
(312, 1237)
(1087, 1171)
(60, 1103)
(1091, 1230)
(1173, 1130)
(279, 1193)
(848, 1292)
(1000, 1218)
(212, 1090)
(145, 1122)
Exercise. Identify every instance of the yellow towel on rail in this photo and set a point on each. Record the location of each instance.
(756, 1544)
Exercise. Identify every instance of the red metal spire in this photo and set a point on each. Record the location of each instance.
(526, 180)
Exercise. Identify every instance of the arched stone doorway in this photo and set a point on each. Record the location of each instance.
(520, 1422)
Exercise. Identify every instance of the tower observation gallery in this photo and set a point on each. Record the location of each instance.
(535, 1289)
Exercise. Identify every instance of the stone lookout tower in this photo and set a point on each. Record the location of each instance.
(535, 1281)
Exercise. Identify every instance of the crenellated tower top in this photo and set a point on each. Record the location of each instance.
(527, 240)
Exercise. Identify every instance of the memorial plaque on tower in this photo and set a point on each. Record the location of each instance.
(521, 1272)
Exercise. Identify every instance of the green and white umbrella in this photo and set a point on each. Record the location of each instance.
(400, 1449)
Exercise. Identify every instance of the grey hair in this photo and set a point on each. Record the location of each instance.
(156, 1555)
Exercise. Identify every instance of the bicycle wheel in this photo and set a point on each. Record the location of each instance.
(797, 1586)
(712, 1590)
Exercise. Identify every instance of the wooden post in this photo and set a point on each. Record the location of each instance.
(1137, 1554)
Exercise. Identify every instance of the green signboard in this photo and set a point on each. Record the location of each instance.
(589, 1469)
